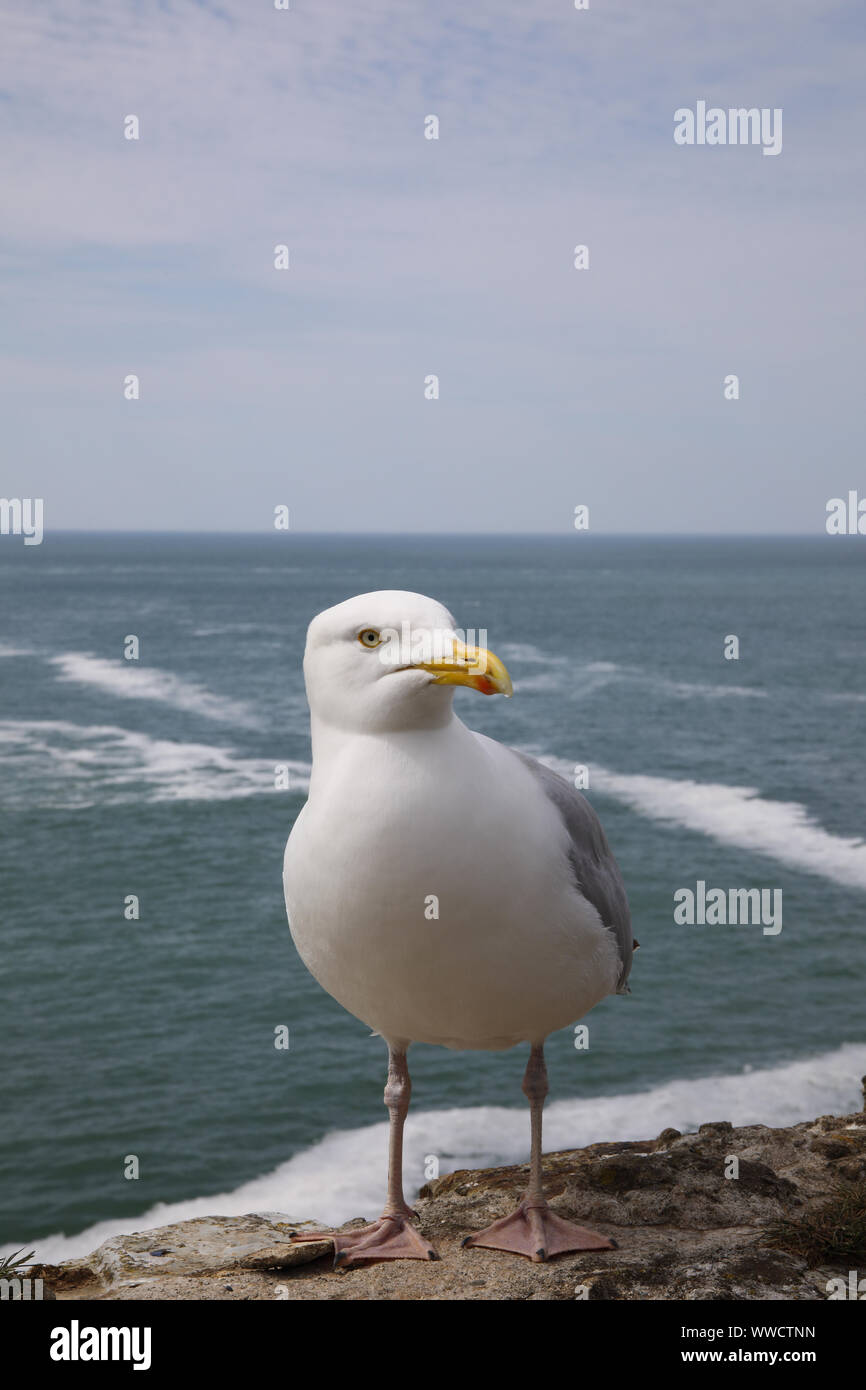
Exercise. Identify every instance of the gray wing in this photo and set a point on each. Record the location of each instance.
(596, 871)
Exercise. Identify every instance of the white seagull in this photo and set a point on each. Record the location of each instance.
(442, 887)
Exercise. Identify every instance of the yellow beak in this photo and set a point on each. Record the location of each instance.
(473, 666)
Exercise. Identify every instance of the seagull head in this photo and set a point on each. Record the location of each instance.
(391, 660)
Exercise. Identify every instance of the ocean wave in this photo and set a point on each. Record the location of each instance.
(544, 682)
(60, 764)
(343, 1175)
(526, 652)
(561, 674)
(687, 690)
(134, 682)
(783, 830)
(584, 678)
(9, 651)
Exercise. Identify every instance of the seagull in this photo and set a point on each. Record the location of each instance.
(443, 887)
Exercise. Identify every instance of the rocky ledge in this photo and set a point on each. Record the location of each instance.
(750, 1213)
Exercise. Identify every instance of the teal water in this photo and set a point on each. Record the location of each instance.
(155, 1037)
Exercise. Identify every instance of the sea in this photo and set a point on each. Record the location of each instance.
(148, 981)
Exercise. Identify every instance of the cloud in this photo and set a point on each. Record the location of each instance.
(411, 256)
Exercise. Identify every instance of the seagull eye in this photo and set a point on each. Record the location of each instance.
(369, 637)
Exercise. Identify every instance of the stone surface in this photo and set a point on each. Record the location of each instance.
(683, 1230)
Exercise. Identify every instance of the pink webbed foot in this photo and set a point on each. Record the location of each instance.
(392, 1237)
(536, 1231)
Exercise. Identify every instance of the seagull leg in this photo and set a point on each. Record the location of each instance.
(533, 1229)
(392, 1237)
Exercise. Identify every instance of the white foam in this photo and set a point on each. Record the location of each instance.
(6, 650)
(134, 682)
(783, 830)
(560, 673)
(686, 690)
(526, 652)
(543, 682)
(80, 765)
(689, 690)
(344, 1174)
(225, 628)
(586, 678)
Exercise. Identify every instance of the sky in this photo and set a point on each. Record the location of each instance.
(412, 257)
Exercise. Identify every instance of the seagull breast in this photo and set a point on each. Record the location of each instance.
(433, 887)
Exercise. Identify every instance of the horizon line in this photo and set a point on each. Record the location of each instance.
(484, 535)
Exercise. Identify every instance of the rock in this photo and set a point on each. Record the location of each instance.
(667, 1137)
(685, 1228)
(204, 1246)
